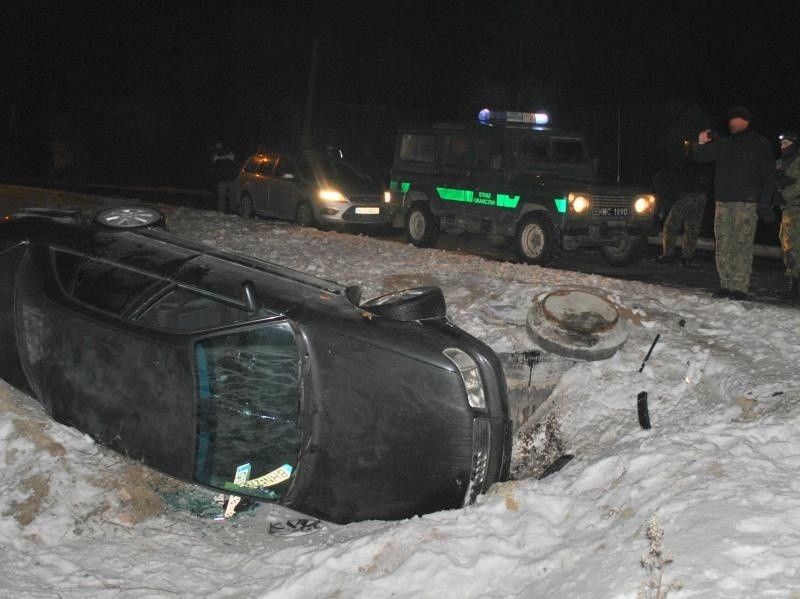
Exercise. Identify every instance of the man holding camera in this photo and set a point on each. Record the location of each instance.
(743, 188)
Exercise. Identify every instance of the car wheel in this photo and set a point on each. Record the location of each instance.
(305, 214)
(625, 253)
(418, 303)
(538, 240)
(422, 228)
(246, 208)
(130, 217)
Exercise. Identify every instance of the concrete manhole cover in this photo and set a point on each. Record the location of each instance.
(576, 324)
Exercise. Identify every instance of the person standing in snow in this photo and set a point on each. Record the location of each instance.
(743, 188)
(686, 188)
(788, 181)
(225, 169)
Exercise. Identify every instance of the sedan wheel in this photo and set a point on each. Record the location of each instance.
(129, 218)
(305, 215)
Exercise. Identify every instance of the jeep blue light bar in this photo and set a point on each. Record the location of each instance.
(532, 118)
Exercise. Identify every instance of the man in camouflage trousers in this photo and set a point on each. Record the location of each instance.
(743, 186)
(686, 188)
(788, 180)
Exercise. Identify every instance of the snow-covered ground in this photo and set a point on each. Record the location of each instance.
(719, 468)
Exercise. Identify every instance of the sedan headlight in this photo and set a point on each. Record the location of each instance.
(579, 202)
(471, 375)
(644, 204)
(331, 195)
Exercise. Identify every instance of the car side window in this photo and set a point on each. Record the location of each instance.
(568, 150)
(265, 167)
(110, 287)
(417, 148)
(183, 310)
(250, 165)
(248, 398)
(489, 152)
(455, 150)
(286, 166)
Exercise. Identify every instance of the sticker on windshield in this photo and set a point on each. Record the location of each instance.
(275, 477)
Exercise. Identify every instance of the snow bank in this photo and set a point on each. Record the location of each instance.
(719, 467)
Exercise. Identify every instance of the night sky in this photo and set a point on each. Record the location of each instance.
(161, 81)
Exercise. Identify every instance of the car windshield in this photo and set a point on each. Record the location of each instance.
(334, 172)
(248, 394)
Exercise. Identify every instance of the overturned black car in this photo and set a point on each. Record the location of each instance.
(203, 363)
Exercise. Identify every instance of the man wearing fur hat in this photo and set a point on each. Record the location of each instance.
(743, 187)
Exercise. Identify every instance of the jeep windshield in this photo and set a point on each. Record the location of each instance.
(248, 394)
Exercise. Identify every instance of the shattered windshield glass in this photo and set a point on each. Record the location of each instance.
(247, 407)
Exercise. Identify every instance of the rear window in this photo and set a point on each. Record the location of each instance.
(417, 148)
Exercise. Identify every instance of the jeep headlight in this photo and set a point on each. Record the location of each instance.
(471, 375)
(579, 202)
(644, 204)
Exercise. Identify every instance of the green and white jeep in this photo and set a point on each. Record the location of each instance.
(512, 178)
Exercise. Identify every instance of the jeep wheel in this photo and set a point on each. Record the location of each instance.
(418, 303)
(246, 208)
(538, 240)
(625, 253)
(422, 228)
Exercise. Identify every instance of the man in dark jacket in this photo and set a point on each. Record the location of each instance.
(743, 188)
(788, 180)
(225, 170)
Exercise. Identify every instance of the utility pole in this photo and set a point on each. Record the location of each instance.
(312, 83)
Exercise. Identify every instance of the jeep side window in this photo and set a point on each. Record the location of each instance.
(417, 148)
(568, 150)
(534, 148)
(455, 150)
(489, 153)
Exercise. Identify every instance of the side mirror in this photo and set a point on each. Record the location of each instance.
(288, 176)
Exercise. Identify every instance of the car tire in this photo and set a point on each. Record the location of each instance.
(305, 215)
(422, 227)
(627, 252)
(130, 217)
(538, 240)
(246, 208)
(417, 303)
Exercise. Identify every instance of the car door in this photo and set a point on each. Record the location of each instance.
(261, 188)
(96, 370)
(489, 181)
(453, 185)
(285, 189)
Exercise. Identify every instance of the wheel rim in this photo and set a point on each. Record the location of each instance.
(129, 217)
(416, 224)
(532, 240)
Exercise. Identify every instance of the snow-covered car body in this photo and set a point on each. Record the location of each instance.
(200, 362)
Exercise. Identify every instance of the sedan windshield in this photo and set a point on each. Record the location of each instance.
(247, 405)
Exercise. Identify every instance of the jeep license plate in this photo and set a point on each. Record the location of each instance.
(612, 212)
(368, 210)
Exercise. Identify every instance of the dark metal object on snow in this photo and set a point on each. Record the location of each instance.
(562, 461)
(649, 352)
(643, 411)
